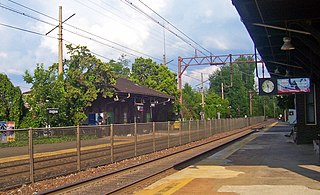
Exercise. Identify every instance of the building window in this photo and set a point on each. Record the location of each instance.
(310, 106)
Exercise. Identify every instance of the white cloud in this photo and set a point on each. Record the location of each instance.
(3, 55)
(213, 24)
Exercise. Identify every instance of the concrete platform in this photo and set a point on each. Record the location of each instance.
(264, 163)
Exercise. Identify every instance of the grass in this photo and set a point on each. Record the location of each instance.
(21, 139)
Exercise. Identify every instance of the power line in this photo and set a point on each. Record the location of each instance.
(130, 4)
(21, 13)
(175, 27)
(25, 30)
(155, 36)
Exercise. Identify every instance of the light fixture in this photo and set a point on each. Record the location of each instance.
(287, 44)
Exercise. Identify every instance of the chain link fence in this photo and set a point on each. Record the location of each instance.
(41, 153)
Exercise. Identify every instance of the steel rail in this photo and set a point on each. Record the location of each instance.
(95, 179)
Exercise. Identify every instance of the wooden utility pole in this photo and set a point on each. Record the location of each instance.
(250, 102)
(222, 91)
(60, 54)
(202, 96)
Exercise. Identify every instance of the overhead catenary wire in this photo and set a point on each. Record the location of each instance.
(87, 37)
(174, 26)
(130, 4)
(51, 24)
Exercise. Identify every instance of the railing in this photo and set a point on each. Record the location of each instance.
(71, 149)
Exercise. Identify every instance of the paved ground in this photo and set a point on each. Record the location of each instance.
(263, 163)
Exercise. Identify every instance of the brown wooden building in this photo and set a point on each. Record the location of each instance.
(132, 103)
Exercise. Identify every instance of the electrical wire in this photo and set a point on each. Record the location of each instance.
(87, 37)
(25, 30)
(174, 27)
(130, 4)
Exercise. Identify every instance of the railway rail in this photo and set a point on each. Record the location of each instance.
(119, 180)
(51, 161)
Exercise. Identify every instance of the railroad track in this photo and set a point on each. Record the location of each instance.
(113, 182)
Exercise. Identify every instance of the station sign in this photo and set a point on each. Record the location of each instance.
(52, 110)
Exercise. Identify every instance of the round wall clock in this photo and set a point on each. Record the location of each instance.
(267, 86)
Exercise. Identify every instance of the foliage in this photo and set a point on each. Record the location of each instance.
(120, 67)
(84, 77)
(11, 104)
(158, 77)
(192, 104)
(238, 90)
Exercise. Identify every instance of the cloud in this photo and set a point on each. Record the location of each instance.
(3, 55)
(215, 25)
(193, 76)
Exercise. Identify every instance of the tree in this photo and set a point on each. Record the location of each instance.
(84, 78)
(158, 77)
(120, 67)
(11, 104)
(47, 91)
(191, 106)
(237, 89)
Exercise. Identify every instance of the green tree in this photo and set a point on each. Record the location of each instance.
(158, 77)
(214, 104)
(47, 91)
(120, 67)
(191, 106)
(11, 104)
(84, 78)
(237, 89)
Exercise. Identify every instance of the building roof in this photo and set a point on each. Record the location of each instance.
(268, 22)
(126, 86)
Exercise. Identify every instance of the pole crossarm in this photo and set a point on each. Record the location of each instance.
(212, 60)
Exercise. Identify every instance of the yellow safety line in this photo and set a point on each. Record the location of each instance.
(167, 188)
(46, 154)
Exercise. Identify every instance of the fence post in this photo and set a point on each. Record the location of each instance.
(180, 133)
(210, 127)
(189, 131)
(135, 139)
(205, 128)
(111, 143)
(168, 134)
(154, 136)
(198, 129)
(31, 154)
(78, 149)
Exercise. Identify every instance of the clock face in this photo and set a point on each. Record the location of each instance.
(267, 86)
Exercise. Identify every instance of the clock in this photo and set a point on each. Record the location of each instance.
(267, 86)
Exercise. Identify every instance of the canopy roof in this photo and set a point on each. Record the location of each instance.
(269, 21)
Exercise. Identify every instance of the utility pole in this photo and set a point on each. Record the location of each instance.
(250, 102)
(264, 107)
(222, 91)
(202, 95)
(60, 54)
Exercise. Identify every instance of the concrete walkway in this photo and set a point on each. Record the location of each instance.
(263, 163)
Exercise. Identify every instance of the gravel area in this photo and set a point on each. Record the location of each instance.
(36, 187)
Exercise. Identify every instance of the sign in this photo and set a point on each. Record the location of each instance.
(293, 85)
(274, 86)
(52, 110)
(7, 132)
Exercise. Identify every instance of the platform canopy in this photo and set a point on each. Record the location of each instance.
(271, 22)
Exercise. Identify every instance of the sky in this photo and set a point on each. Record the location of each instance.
(112, 28)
